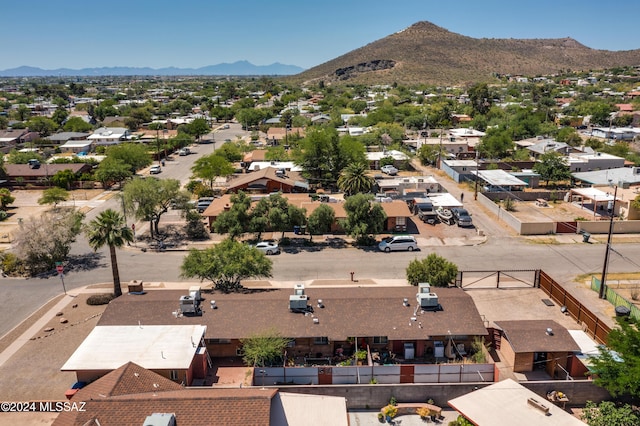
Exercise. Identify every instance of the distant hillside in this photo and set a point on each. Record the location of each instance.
(240, 68)
(426, 53)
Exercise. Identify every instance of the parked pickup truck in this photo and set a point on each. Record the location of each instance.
(425, 212)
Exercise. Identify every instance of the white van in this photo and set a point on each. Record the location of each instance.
(398, 243)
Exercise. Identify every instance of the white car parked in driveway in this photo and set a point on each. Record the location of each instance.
(154, 170)
(389, 169)
(268, 247)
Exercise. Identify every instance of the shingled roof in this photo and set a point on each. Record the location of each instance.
(531, 336)
(130, 398)
(363, 311)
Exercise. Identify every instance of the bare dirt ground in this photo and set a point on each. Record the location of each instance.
(560, 211)
(33, 373)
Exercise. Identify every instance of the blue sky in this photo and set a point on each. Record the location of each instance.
(76, 34)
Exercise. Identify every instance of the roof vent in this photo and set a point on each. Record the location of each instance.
(316, 321)
(549, 331)
(405, 302)
(160, 419)
(320, 303)
(538, 405)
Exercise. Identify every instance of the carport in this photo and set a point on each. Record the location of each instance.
(600, 202)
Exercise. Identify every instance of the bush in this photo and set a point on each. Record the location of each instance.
(11, 264)
(366, 240)
(3, 215)
(100, 299)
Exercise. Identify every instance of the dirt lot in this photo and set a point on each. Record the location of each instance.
(527, 211)
(33, 373)
(26, 206)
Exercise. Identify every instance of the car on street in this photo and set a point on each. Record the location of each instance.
(398, 243)
(389, 170)
(154, 170)
(184, 151)
(461, 217)
(268, 247)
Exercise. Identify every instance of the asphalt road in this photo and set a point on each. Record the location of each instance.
(21, 297)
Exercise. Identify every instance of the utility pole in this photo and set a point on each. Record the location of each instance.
(601, 294)
(475, 191)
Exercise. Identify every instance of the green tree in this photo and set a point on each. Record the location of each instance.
(263, 349)
(112, 170)
(608, 413)
(552, 167)
(429, 154)
(76, 124)
(226, 265)
(480, 98)
(135, 155)
(43, 240)
(198, 127)
(17, 157)
(149, 199)
(496, 144)
(433, 269)
(210, 167)
(54, 196)
(110, 229)
(320, 220)
(229, 151)
(354, 179)
(6, 198)
(59, 116)
(364, 217)
(619, 373)
(43, 125)
(63, 178)
(235, 221)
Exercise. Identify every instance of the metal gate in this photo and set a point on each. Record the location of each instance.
(566, 227)
(518, 278)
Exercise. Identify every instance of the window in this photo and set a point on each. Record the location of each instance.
(382, 340)
(173, 375)
(218, 341)
(320, 340)
(401, 220)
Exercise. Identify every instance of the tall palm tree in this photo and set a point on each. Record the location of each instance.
(110, 229)
(354, 179)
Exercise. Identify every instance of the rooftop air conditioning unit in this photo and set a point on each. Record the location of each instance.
(188, 305)
(424, 288)
(194, 292)
(298, 302)
(160, 419)
(298, 290)
(427, 300)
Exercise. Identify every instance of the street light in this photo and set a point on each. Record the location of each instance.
(606, 253)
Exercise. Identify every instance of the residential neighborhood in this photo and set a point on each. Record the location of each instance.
(271, 213)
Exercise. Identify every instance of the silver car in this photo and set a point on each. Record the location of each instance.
(268, 247)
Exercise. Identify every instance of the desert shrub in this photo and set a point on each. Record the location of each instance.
(99, 299)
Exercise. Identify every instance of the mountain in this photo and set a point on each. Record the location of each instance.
(239, 68)
(426, 53)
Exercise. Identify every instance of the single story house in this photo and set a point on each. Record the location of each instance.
(22, 174)
(405, 184)
(459, 170)
(621, 176)
(77, 146)
(508, 402)
(530, 345)
(407, 323)
(109, 135)
(584, 162)
(174, 351)
(499, 181)
(268, 180)
(133, 395)
(374, 158)
(63, 137)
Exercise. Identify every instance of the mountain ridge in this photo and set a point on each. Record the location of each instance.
(238, 68)
(427, 53)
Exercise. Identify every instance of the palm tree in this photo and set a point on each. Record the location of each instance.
(354, 179)
(110, 228)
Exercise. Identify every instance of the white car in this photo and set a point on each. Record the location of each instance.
(268, 247)
(154, 170)
(389, 169)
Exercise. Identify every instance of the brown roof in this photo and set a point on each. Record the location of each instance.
(121, 382)
(531, 336)
(16, 170)
(267, 173)
(281, 132)
(255, 155)
(396, 208)
(352, 311)
(203, 406)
